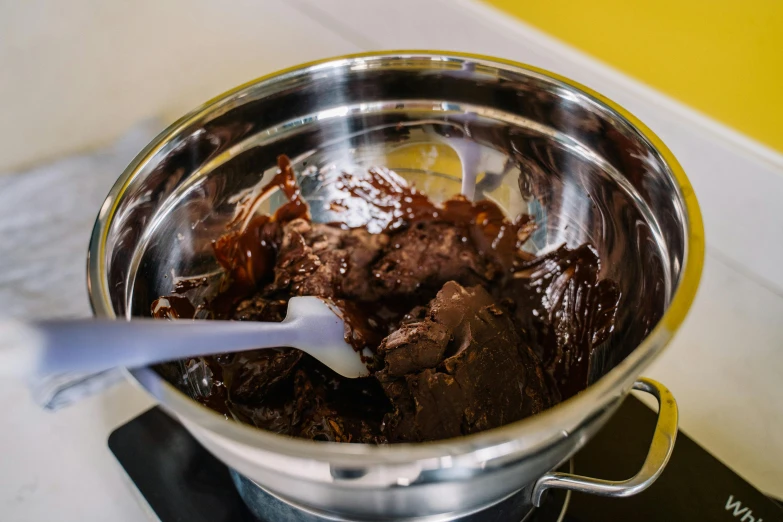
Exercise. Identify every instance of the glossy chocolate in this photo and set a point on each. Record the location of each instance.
(468, 331)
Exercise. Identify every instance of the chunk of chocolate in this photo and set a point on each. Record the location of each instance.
(333, 409)
(259, 308)
(427, 255)
(414, 347)
(256, 373)
(326, 261)
(464, 369)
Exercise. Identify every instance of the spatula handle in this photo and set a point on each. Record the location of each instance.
(88, 345)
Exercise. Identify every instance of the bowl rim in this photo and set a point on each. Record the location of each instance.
(527, 435)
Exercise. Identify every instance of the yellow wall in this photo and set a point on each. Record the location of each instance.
(721, 57)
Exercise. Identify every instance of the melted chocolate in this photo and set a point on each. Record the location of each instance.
(567, 315)
(460, 370)
(467, 331)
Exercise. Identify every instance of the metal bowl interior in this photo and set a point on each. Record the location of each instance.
(585, 168)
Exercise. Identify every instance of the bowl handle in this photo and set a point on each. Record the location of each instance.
(660, 451)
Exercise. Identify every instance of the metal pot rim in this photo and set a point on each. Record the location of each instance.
(526, 435)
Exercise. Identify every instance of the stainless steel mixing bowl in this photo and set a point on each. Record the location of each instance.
(542, 144)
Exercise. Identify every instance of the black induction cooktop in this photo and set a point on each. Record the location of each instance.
(182, 482)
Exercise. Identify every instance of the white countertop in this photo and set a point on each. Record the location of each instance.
(724, 366)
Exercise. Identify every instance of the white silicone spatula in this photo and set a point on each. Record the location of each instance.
(47, 347)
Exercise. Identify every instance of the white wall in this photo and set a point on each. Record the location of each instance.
(75, 74)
